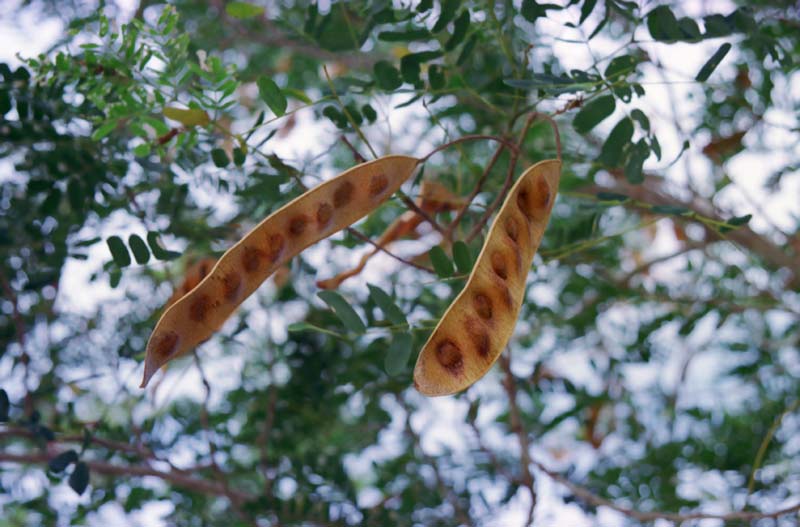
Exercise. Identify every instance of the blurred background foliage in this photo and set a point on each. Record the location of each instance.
(654, 369)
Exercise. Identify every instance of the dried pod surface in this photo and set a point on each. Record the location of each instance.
(193, 276)
(318, 213)
(478, 324)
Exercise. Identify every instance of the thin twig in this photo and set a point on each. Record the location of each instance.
(516, 426)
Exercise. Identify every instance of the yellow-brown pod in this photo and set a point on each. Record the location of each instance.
(478, 324)
(318, 213)
(193, 276)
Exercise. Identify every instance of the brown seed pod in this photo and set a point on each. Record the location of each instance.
(318, 213)
(193, 276)
(478, 324)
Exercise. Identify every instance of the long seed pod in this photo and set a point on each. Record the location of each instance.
(318, 213)
(193, 276)
(478, 324)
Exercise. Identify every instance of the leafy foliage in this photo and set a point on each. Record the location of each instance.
(654, 363)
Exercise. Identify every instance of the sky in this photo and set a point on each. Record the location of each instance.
(30, 35)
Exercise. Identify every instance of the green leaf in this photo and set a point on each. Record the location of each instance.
(690, 32)
(187, 117)
(5, 102)
(51, 202)
(396, 360)
(436, 77)
(553, 84)
(369, 113)
(718, 26)
(142, 150)
(460, 27)
(637, 154)
(158, 250)
(466, 50)
(387, 76)
(735, 222)
(386, 304)
(663, 25)
(593, 113)
(62, 461)
(441, 263)
(531, 10)
(139, 249)
(243, 10)
(611, 196)
(586, 10)
(118, 251)
(448, 12)
(712, 63)
(338, 118)
(462, 257)
(239, 156)
(639, 116)
(620, 136)
(343, 310)
(79, 479)
(299, 327)
(272, 95)
(103, 130)
(408, 35)
(620, 67)
(424, 5)
(674, 210)
(5, 406)
(219, 157)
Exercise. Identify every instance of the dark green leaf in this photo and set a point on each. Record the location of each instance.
(586, 10)
(689, 30)
(441, 263)
(531, 10)
(436, 77)
(663, 25)
(674, 210)
(118, 251)
(343, 310)
(369, 113)
(718, 26)
(593, 113)
(387, 305)
(448, 12)
(637, 154)
(62, 461)
(338, 118)
(5, 102)
(158, 250)
(712, 63)
(242, 10)
(396, 359)
(51, 202)
(620, 67)
(460, 27)
(639, 116)
(239, 157)
(139, 249)
(272, 95)
(611, 196)
(462, 257)
(620, 136)
(5, 406)
(387, 76)
(219, 157)
(424, 5)
(740, 220)
(79, 479)
(547, 83)
(466, 51)
(408, 35)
